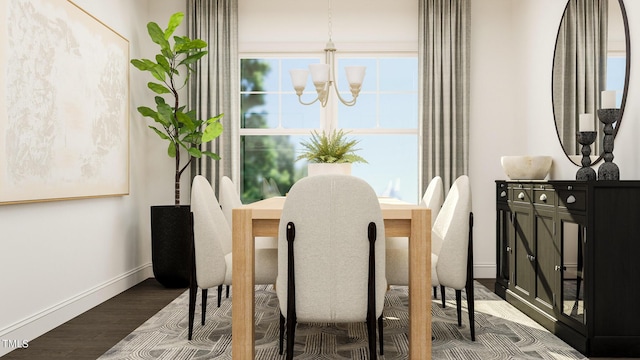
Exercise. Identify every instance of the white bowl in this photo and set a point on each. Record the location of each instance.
(526, 167)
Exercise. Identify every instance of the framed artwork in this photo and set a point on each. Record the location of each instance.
(64, 104)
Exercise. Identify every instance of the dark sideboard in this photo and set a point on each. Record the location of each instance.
(568, 256)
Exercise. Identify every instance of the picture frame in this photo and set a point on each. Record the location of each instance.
(64, 104)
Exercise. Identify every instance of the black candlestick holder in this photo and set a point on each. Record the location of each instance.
(608, 170)
(586, 138)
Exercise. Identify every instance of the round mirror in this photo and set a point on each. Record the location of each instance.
(590, 64)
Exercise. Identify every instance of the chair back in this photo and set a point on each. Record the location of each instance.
(434, 197)
(331, 214)
(211, 233)
(229, 198)
(452, 229)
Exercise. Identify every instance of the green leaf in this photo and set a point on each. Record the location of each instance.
(212, 131)
(143, 64)
(172, 150)
(162, 61)
(186, 121)
(157, 35)
(158, 88)
(195, 152)
(160, 133)
(174, 21)
(193, 58)
(212, 155)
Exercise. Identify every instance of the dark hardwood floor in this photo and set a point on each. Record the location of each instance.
(92, 333)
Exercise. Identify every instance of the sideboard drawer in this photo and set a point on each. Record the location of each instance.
(502, 192)
(572, 199)
(544, 195)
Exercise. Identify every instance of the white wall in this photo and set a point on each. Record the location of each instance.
(59, 259)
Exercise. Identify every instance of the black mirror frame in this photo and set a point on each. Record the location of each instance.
(627, 41)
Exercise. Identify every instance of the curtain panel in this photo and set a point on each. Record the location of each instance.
(444, 63)
(214, 89)
(579, 68)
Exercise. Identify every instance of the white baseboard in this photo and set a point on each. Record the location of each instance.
(484, 271)
(25, 330)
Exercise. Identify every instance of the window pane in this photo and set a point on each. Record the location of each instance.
(260, 111)
(259, 75)
(268, 160)
(360, 116)
(298, 116)
(392, 168)
(399, 74)
(399, 111)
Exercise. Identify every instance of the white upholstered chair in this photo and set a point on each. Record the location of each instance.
(454, 262)
(212, 249)
(229, 200)
(397, 247)
(330, 266)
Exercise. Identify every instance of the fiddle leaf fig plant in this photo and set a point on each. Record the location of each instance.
(172, 68)
(333, 147)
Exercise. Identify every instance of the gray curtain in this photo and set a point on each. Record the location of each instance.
(215, 87)
(444, 47)
(579, 68)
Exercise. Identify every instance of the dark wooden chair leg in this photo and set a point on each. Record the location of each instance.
(470, 277)
(381, 334)
(228, 286)
(205, 293)
(435, 292)
(193, 292)
(442, 295)
(193, 286)
(371, 303)
(459, 306)
(291, 291)
(282, 321)
(219, 295)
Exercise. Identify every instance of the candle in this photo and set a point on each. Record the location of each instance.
(586, 122)
(608, 99)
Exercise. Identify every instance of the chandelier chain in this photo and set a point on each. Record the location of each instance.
(330, 20)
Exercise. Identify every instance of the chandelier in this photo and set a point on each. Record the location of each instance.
(324, 78)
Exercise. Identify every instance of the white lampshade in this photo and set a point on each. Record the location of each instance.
(319, 73)
(355, 74)
(299, 78)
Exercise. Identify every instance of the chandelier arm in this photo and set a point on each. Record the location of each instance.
(343, 100)
(307, 103)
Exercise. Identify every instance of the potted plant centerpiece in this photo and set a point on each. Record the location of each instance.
(331, 153)
(171, 225)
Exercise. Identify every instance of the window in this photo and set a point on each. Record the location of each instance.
(385, 120)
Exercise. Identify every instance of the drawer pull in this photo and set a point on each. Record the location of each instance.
(571, 199)
(543, 197)
(531, 258)
(508, 249)
(558, 267)
(503, 194)
(521, 196)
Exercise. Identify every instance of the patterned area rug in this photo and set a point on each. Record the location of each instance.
(502, 332)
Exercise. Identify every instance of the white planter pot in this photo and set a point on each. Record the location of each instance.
(324, 169)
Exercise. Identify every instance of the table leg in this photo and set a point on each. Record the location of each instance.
(420, 285)
(243, 301)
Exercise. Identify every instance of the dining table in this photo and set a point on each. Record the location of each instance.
(262, 218)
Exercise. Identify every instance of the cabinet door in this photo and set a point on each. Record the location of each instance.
(572, 236)
(522, 265)
(545, 258)
(503, 247)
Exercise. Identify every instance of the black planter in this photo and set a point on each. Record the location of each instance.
(171, 244)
